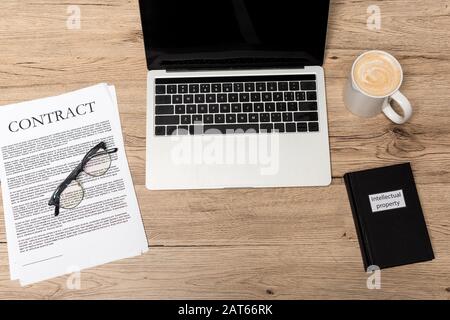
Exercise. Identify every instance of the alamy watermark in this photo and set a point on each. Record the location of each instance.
(237, 148)
(374, 280)
(73, 22)
(374, 19)
(73, 281)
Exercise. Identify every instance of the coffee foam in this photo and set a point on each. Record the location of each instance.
(377, 74)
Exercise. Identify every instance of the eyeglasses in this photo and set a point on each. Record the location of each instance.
(70, 192)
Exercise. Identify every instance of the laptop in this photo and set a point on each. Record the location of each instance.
(235, 94)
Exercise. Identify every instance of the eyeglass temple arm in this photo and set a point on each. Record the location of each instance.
(100, 153)
(111, 150)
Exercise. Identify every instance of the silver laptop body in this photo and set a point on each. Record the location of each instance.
(195, 141)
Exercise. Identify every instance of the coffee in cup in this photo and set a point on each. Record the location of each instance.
(374, 81)
(377, 74)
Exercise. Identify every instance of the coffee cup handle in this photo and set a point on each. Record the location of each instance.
(403, 102)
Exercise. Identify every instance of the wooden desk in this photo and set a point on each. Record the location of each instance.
(249, 244)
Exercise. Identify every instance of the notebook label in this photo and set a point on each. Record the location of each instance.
(387, 200)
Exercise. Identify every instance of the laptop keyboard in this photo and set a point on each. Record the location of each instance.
(230, 105)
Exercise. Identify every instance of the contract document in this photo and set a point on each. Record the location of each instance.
(41, 142)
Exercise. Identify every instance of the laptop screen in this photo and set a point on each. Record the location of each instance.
(197, 34)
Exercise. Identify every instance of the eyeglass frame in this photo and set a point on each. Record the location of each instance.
(93, 152)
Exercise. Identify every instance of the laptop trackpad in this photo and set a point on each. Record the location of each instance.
(239, 160)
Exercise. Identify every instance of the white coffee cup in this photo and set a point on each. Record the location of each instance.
(377, 82)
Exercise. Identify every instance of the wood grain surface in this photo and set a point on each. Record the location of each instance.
(292, 243)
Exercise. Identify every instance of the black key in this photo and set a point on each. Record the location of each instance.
(302, 127)
(283, 86)
(227, 87)
(242, 117)
(271, 86)
(255, 97)
(269, 106)
(231, 118)
(294, 86)
(300, 96)
(188, 98)
(247, 107)
(180, 109)
(171, 130)
(160, 89)
(287, 116)
(267, 96)
(307, 106)
(231, 128)
(292, 106)
(214, 108)
(275, 117)
(163, 100)
(194, 88)
(253, 117)
(162, 120)
(261, 86)
(236, 107)
(291, 127)
(278, 127)
(238, 87)
(211, 98)
(199, 98)
(205, 88)
(311, 95)
(172, 89)
(264, 117)
(222, 97)
(308, 85)
(182, 88)
(183, 130)
(166, 109)
(208, 118)
(266, 127)
(313, 126)
(249, 86)
(219, 118)
(233, 97)
(185, 119)
(258, 107)
(244, 97)
(281, 106)
(278, 96)
(202, 108)
(197, 118)
(160, 131)
(288, 96)
(225, 108)
(177, 99)
(306, 116)
(216, 87)
(191, 108)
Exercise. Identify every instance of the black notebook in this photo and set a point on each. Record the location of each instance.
(388, 216)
